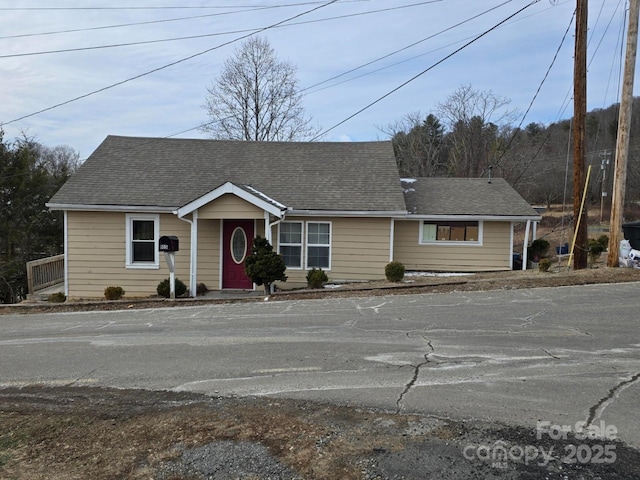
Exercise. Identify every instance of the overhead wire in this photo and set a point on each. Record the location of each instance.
(191, 37)
(133, 24)
(379, 99)
(535, 96)
(565, 103)
(184, 59)
(245, 9)
(406, 47)
(181, 7)
(398, 51)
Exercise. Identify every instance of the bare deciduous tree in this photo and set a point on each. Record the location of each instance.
(256, 97)
(475, 120)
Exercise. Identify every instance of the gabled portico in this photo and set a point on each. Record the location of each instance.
(242, 212)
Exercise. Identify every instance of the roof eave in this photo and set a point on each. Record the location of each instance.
(466, 217)
(110, 208)
(255, 197)
(345, 213)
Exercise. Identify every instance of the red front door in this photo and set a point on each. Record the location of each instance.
(237, 238)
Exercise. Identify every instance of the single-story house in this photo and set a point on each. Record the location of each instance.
(341, 207)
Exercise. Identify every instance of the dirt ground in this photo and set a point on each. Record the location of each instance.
(77, 433)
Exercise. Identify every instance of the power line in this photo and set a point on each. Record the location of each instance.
(218, 7)
(424, 71)
(135, 24)
(535, 96)
(406, 47)
(245, 9)
(169, 64)
(253, 30)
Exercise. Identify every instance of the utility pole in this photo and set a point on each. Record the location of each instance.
(579, 137)
(622, 140)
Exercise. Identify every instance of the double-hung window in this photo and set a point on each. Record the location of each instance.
(319, 245)
(142, 232)
(305, 244)
(290, 244)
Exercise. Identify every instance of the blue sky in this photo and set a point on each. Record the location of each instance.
(511, 61)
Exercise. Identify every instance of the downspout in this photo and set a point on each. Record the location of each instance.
(511, 243)
(392, 238)
(269, 236)
(66, 255)
(269, 226)
(193, 260)
(525, 245)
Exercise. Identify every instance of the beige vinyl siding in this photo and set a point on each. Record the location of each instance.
(209, 253)
(96, 246)
(360, 250)
(230, 206)
(493, 255)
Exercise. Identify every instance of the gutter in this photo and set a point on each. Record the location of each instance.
(110, 208)
(346, 213)
(503, 218)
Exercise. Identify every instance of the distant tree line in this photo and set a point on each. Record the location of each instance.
(473, 130)
(256, 97)
(30, 174)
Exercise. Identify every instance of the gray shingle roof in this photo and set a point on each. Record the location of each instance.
(464, 196)
(156, 172)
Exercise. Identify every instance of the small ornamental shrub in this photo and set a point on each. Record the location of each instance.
(57, 297)
(113, 293)
(596, 247)
(164, 288)
(264, 266)
(544, 265)
(201, 289)
(316, 278)
(603, 241)
(394, 271)
(538, 249)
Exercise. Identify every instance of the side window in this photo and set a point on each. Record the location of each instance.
(319, 245)
(142, 241)
(290, 243)
(447, 232)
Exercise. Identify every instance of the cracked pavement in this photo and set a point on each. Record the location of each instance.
(562, 355)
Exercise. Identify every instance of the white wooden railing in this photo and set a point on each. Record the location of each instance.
(45, 272)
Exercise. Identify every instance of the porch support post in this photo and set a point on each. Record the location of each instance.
(525, 245)
(193, 267)
(534, 235)
(267, 228)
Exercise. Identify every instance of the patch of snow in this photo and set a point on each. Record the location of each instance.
(408, 190)
(332, 285)
(436, 274)
(266, 197)
(408, 180)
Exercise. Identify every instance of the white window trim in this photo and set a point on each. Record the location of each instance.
(422, 241)
(301, 244)
(130, 217)
(307, 244)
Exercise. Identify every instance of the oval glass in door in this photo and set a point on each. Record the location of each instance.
(238, 245)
